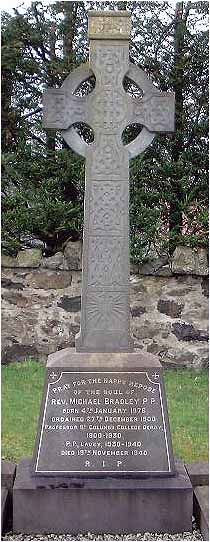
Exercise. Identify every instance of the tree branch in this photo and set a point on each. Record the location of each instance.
(32, 113)
(37, 138)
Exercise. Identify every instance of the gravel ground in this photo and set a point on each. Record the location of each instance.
(195, 535)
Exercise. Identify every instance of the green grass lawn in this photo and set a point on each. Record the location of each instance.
(187, 395)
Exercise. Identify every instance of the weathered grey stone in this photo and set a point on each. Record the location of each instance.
(73, 255)
(164, 271)
(175, 360)
(205, 287)
(179, 292)
(195, 315)
(55, 262)
(8, 283)
(25, 319)
(201, 509)
(29, 258)
(187, 332)
(137, 311)
(146, 330)
(4, 508)
(158, 267)
(189, 261)
(108, 110)
(195, 359)
(170, 308)
(8, 469)
(57, 504)
(137, 284)
(198, 471)
(8, 261)
(155, 348)
(16, 298)
(49, 279)
(70, 304)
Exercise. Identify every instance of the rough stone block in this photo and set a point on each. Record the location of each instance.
(198, 471)
(73, 505)
(8, 261)
(29, 258)
(201, 509)
(47, 279)
(189, 261)
(8, 469)
(73, 255)
(70, 304)
(186, 332)
(4, 508)
(170, 308)
(55, 262)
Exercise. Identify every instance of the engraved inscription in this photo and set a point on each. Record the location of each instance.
(109, 25)
(103, 422)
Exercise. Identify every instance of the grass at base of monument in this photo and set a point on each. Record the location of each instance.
(187, 396)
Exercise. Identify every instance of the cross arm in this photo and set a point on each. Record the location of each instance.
(61, 107)
(155, 110)
(61, 110)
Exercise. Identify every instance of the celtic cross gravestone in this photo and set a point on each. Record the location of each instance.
(103, 459)
(128, 385)
(108, 110)
(136, 394)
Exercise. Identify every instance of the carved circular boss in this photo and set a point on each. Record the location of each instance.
(82, 74)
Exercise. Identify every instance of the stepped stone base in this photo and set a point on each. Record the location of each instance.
(4, 508)
(198, 472)
(8, 469)
(201, 509)
(111, 505)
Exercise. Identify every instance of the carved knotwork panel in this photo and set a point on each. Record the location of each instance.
(109, 65)
(107, 258)
(108, 207)
(108, 159)
(109, 110)
(155, 112)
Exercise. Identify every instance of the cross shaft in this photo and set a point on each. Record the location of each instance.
(107, 110)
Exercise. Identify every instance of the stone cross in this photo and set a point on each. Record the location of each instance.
(108, 110)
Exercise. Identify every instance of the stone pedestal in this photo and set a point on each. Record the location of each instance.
(71, 505)
(102, 415)
(103, 459)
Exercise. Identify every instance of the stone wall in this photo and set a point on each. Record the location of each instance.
(169, 305)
